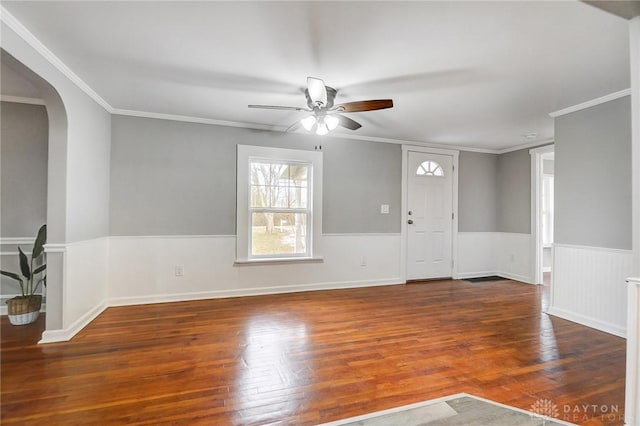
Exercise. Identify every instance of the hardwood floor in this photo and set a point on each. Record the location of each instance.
(308, 358)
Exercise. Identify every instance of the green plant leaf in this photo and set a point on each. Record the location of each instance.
(40, 269)
(41, 239)
(24, 264)
(11, 275)
(42, 280)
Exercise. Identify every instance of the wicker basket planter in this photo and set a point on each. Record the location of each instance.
(24, 310)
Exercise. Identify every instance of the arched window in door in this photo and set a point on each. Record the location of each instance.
(430, 168)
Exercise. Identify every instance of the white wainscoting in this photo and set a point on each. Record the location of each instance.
(589, 286)
(477, 254)
(514, 256)
(142, 269)
(84, 293)
(494, 253)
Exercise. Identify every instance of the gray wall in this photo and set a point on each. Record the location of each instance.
(23, 169)
(495, 192)
(477, 192)
(175, 178)
(593, 176)
(514, 192)
(88, 167)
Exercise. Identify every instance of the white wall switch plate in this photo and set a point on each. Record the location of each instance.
(384, 209)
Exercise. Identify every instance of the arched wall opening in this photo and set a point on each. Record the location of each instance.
(56, 185)
(78, 184)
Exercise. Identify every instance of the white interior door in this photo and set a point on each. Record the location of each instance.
(429, 215)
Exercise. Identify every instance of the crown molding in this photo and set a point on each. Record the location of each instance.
(22, 31)
(409, 142)
(282, 129)
(21, 100)
(527, 145)
(590, 103)
(198, 120)
(542, 149)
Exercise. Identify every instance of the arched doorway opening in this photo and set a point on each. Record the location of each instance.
(56, 171)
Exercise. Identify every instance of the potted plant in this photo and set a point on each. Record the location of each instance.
(24, 309)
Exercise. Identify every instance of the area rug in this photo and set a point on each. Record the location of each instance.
(455, 410)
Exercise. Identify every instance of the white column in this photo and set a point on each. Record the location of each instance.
(631, 404)
(632, 389)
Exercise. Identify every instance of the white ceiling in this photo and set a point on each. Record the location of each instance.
(477, 74)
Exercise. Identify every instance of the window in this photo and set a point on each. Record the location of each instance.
(547, 210)
(279, 204)
(429, 168)
(279, 208)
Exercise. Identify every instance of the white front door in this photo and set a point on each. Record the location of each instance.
(429, 215)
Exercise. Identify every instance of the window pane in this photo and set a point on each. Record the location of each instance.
(298, 197)
(279, 196)
(279, 174)
(299, 175)
(259, 196)
(260, 173)
(429, 168)
(278, 234)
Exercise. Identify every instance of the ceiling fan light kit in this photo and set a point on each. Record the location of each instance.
(325, 115)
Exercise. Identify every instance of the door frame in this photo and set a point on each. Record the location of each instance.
(536, 214)
(404, 205)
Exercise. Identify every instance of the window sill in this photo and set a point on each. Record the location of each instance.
(251, 262)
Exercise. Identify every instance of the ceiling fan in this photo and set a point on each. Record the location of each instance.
(326, 116)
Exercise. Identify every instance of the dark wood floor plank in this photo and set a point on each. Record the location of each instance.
(313, 357)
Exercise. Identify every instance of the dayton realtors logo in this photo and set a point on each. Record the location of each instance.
(545, 408)
(576, 412)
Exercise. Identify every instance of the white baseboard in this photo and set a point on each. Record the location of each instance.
(588, 321)
(64, 335)
(220, 294)
(516, 277)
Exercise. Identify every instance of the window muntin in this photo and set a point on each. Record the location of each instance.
(430, 168)
(279, 210)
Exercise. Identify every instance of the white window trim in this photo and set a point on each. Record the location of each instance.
(536, 218)
(244, 154)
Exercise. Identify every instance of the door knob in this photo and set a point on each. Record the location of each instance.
(410, 222)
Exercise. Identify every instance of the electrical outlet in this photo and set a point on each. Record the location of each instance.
(363, 262)
(179, 270)
(384, 208)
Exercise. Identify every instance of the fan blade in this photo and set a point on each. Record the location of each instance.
(317, 91)
(348, 123)
(289, 108)
(360, 106)
(293, 127)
